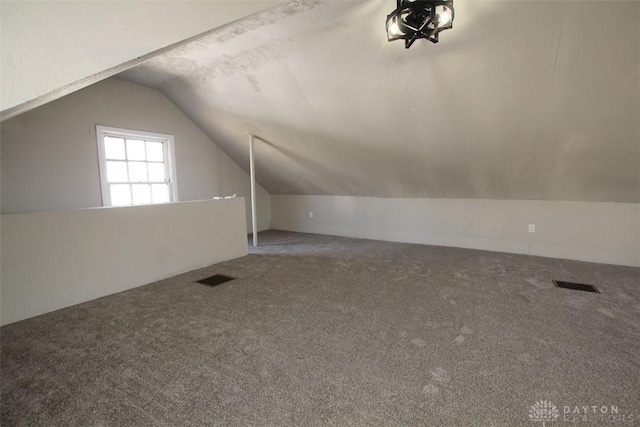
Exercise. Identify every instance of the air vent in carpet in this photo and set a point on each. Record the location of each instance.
(576, 286)
(218, 279)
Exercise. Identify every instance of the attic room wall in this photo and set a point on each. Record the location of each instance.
(586, 231)
(52, 48)
(50, 159)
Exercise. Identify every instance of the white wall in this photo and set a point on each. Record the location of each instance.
(51, 48)
(587, 231)
(52, 260)
(50, 157)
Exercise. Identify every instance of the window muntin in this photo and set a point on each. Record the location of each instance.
(136, 167)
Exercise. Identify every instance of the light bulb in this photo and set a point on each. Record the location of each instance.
(444, 16)
(394, 28)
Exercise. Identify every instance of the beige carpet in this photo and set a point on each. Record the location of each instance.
(326, 330)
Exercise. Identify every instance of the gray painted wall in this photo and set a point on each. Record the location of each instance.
(50, 159)
(51, 260)
(586, 231)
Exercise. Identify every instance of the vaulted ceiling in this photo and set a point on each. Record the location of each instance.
(56, 47)
(520, 100)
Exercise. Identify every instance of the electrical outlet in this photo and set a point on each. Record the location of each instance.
(310, 214)
(532, 228)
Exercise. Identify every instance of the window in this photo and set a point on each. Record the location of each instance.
(136, 168)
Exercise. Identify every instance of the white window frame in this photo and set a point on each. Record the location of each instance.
(168, 145)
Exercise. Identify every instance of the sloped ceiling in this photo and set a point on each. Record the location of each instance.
(55, 47)
(520, 100)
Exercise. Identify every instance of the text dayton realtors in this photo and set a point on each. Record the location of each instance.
(603, 413)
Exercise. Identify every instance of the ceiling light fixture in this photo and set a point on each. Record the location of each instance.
(419, 19)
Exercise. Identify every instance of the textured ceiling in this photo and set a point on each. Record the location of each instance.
(51, 48)
(521, 100)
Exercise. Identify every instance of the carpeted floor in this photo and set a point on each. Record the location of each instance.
(328, 330)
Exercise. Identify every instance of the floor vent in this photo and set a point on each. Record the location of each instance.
(218, 279)
(576, 286)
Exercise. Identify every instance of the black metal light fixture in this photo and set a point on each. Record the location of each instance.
(419, 19)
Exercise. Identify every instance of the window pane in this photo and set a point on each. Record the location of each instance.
(135, 149)
(137, 172)
(160, 193)
(117, 172)
(155, 152)
(120, 195)
(135, 167)
(156, 172)
(114, 148)
(141, 194)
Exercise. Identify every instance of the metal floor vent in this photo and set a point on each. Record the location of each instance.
(218, 279)
(576, 286)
